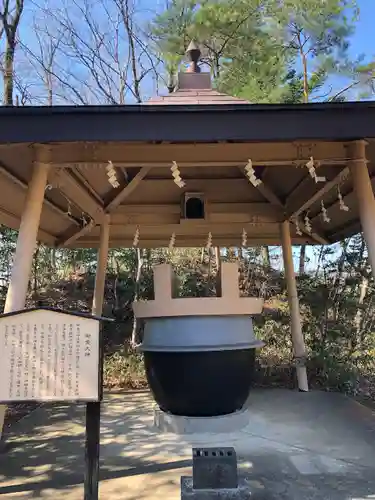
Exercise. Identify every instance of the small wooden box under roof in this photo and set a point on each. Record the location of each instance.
(211, 137)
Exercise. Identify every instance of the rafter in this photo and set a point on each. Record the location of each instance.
(11, 220)
(268, 193)
(142, 154)
(128, 189)
(76, 192)
(316, 236)
(9, 175)
(87, 185)
(72, 235)
(297, 202)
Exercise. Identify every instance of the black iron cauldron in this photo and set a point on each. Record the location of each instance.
(200, 365)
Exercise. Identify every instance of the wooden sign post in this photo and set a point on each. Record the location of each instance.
(50, 355)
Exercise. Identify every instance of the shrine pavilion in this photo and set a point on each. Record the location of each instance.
(192, 166)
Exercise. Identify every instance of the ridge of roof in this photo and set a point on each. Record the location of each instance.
(196, 96)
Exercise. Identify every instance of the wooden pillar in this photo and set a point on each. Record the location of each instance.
(26, 242)
(92, 443)
(365, 196)
(97, 303)
(295, 318)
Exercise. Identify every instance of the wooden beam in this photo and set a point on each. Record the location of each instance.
(128, 189)
(353, 226)
(275, 200)
(188, 242)
(78, 194)
(195, 164)
(297, 202)
(12, 221)
(266, 192)
(72, 235)
(252, 208)
(87, 185)
(143, 154)
(315, 235)
(9, 175)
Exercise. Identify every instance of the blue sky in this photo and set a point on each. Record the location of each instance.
(363, 40)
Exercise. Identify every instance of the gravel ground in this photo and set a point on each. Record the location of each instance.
(17, 411)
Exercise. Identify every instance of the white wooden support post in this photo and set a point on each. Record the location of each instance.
(365, 196)
(97, 303)
(295, 318)
(26, 242)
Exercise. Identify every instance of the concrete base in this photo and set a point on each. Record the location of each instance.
(241, 493)
(165, 422)
(310, 446)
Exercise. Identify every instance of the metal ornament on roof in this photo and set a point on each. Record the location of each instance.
(325, 213)
(311, 168)
(176, 174)
(250, 174)
(193, 54)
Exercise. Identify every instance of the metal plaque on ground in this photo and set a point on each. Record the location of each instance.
(49, 355)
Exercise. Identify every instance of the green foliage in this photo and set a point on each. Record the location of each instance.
(264, 51)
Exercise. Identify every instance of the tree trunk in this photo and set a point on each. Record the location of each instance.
(266, 257)
(9, 19)
(302, 260)
(137, 283)
(358, 317)
(8, 73)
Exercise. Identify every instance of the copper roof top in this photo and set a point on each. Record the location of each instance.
(195, 88)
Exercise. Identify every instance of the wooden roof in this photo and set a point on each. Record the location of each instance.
(211, 143)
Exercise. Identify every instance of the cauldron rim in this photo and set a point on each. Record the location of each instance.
(199, 334)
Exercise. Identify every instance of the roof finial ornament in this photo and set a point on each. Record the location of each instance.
(193, 53)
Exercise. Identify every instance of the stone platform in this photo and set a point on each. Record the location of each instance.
(295, 446)
(165, 422)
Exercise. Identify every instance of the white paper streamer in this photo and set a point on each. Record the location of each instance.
(342, 205)
(112, 176)
(209, 241)
(311, 168)
(172, 241)
(176, 174)
(325, 213)
(244, 238)
(308, 224)
(298, 229)
(250, 174)
(136, 238)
